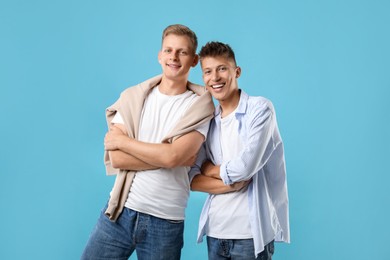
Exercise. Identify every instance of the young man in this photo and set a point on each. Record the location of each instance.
(156, 130)
(242, 167)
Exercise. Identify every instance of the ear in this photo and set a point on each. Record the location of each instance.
(196, 60)
(238, 72)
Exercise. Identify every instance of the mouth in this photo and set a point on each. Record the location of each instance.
(217, 86)
(174, 66)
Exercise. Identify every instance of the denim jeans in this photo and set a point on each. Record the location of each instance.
(152, 238)
(237, 249)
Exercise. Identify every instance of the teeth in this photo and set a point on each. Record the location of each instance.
(217, 86)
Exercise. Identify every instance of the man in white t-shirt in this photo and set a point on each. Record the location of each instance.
(152, 219)
(242, 167)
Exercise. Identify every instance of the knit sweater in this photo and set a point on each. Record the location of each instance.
(129, 105)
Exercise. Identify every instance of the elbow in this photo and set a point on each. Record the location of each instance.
(116, 161)
(192, 188)
(171, 160)
(193, 185)
(115, 164)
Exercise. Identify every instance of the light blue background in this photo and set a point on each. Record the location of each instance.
(324, 64)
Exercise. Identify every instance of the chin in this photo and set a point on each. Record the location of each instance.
(218, 97)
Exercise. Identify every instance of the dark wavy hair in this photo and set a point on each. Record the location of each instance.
(217, 49)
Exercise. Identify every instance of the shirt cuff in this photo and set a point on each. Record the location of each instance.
(224, 174)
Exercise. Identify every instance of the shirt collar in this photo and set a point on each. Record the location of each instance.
(242, 105)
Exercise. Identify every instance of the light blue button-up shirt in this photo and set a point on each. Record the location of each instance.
(262, 160)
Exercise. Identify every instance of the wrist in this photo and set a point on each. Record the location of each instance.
(125, 144)
(217, 172)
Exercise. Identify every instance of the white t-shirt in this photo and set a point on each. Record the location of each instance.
(229, 212)
(162, 192)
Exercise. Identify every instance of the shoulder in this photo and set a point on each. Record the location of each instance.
(260, 110)
(259, 104)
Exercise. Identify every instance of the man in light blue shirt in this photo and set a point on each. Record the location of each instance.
(241, 166)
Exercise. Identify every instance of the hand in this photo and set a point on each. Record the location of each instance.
(239, 185)
(210, 170)
(114, 138)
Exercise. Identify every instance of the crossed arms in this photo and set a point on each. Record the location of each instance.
(238, 172)
(129, 154)
(210, 181)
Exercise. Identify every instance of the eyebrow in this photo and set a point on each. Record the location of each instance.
(218, 66)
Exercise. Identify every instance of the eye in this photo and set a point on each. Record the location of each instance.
(167, 51)
(223, 68)
(206, 72)
(183, 53)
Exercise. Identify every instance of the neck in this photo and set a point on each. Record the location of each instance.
(229, 105)
(172, 87)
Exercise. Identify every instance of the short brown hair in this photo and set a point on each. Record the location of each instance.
(216, 49)
(181, 30)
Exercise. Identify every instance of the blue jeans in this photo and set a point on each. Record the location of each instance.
(152, 238)
(237, 249)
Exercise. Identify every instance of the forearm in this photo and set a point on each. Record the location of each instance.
(260, 144)
(165, 155)
(124, 161)
(152, 154)
(210, 170)
(210, 185)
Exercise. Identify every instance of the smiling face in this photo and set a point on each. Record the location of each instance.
(220, 77)
(177, 57)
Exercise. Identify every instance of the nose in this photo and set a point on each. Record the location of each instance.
(174, 55)
(215, 76)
